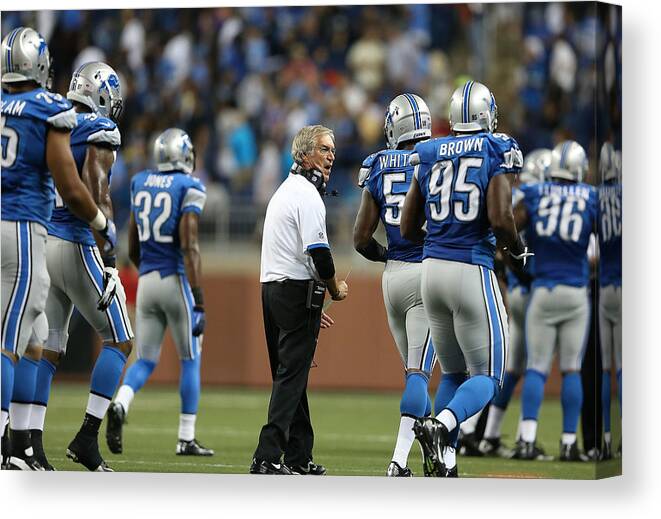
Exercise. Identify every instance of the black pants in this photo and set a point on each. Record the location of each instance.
(291, 330)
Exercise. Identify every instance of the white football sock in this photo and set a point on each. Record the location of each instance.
(19, 416)
(37, 416)
(97, 406)
(468, 426)
(528, 430)
(518, 428)
(405, 439)
(607, 437)
(125, 397)
(568, 438)
(187, 427)
(494, 425)
(446, 417)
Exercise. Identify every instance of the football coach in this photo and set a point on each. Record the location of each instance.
(296, 270)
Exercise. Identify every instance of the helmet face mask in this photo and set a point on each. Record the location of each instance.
(96, 85)
(568, 162)
(173, 150)
(407, 119)
(473, 109)
(25, 57)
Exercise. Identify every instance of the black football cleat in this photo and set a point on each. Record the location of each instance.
(269, 468)
(493, 447)
(192, 448)
(529, 451)
(396, 471)
(469, 445)
(452, 473)
(115, 420)
(570, 452)
(21, 452)
(6, 449)
(433, 438)
(36, 436)
(84, 449)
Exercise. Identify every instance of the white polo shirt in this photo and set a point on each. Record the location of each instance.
(295, 223)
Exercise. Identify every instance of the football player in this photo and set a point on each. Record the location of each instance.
(385, 177)
(610, 282)
(163, 244)
(36, 127)
(461, 187)
(535, 166)
(81, 275)
(559, 217)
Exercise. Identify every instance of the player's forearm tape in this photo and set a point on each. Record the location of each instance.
(323, 262)
(99, 222)
(374, 251)
(197, 296)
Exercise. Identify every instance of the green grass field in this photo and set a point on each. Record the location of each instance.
(355, 434)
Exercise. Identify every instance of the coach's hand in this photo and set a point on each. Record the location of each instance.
(199, 322)
(110, 282)
(326, 320)
(342, 291)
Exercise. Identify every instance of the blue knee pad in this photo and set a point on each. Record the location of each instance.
(189, 385)
(504, 396)
(137, 375)
(107, 372)
(446, 389)
(472, 396)
(25, 381)
(572, 401)
(606, 399)
(532, 394)
(414, 398)
(428, 405)
(7, 381)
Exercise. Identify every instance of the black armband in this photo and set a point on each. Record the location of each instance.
(197, 296)
(374, 251)
(323, 262)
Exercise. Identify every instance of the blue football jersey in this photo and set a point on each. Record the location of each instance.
(561, 218)
(453, 174)
(387, 176)
(158, 201)
(27, 186)
(610, 235)
(91, 129)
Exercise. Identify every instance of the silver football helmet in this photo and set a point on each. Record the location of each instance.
(569, 162)
(407, 119)
(173, 150)
(25, 57)
(535, 166)
(96, 85)
(473, 108)
(608, 163)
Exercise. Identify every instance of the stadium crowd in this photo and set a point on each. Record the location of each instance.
(241, 81)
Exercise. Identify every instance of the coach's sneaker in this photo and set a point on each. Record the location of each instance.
(84, 449)
(433, 437)
(396, 471)
(36, 436)
(21, 452)
(570, 452)
(269, 468)
(529, 451)
(468, 445)
(192, 448)
(115, 420)
(309, 469)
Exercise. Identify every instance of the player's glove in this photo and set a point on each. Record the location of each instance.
(199, 322)
(109, 234)
(110, 283)
(520, 254)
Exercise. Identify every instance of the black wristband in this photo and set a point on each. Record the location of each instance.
(374, 251)
(197, 296)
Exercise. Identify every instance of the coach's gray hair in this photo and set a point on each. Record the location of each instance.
(305, 140)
